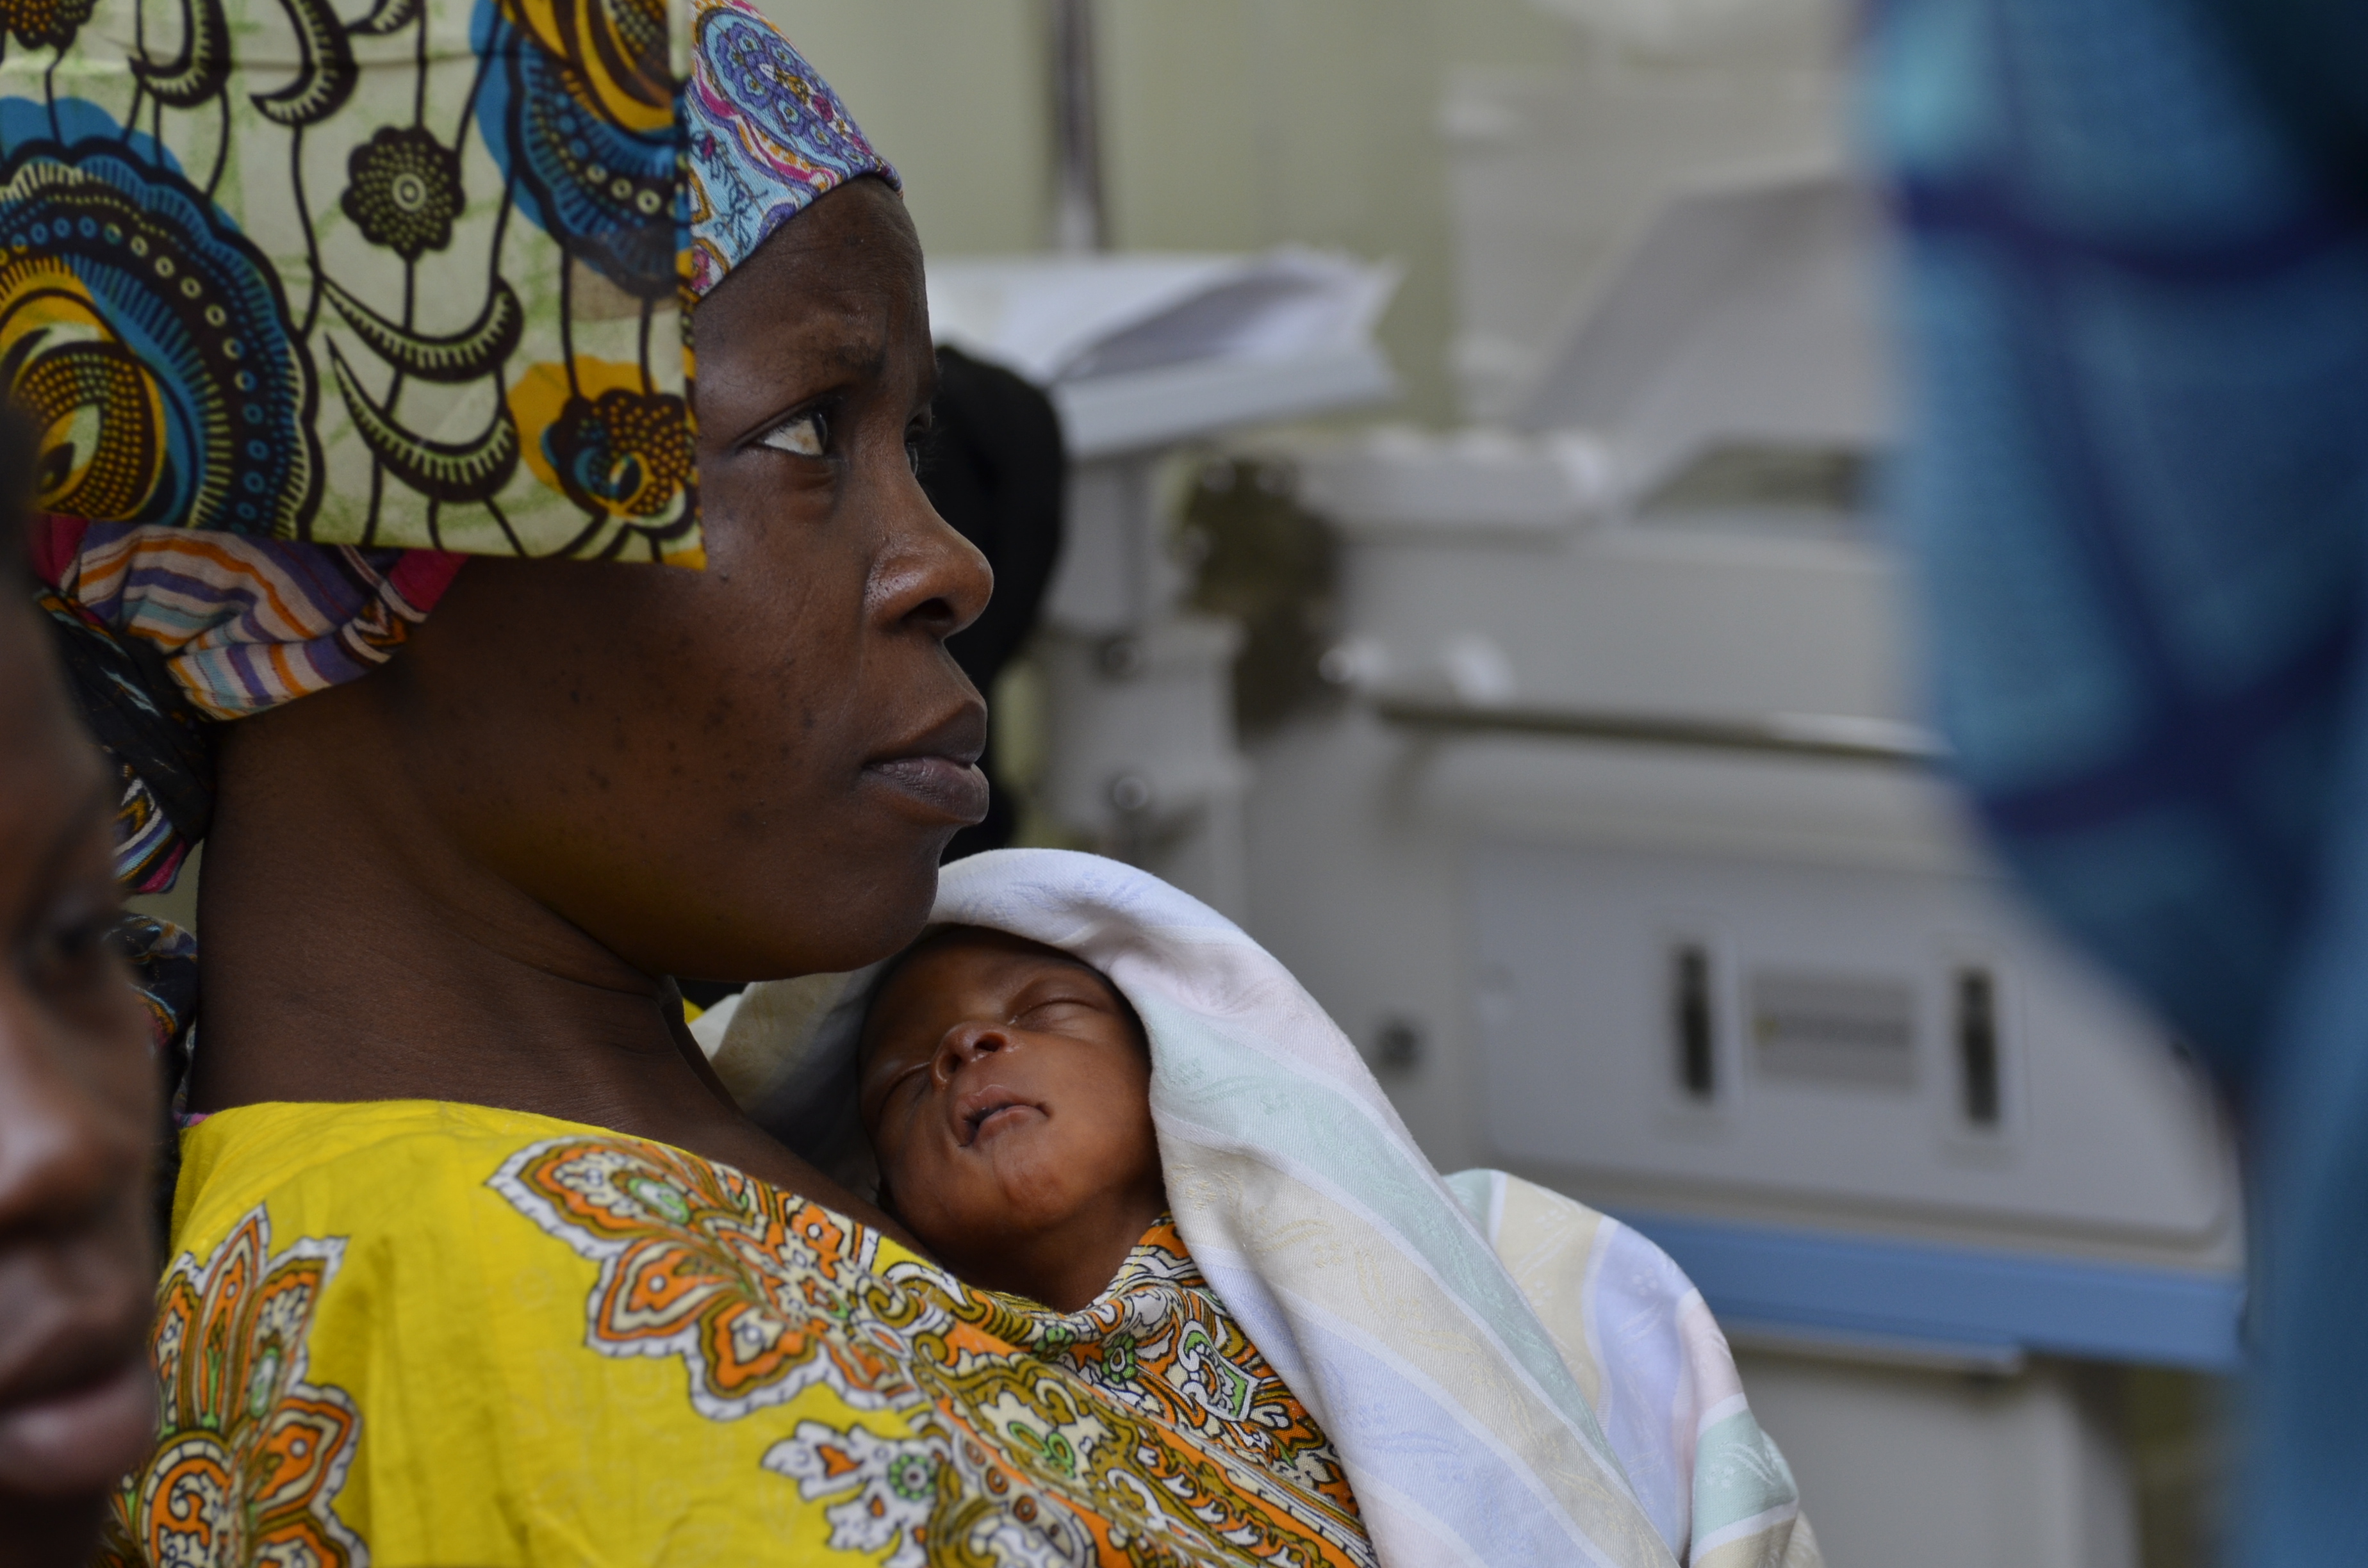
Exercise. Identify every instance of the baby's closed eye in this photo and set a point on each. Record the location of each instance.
(1055, 1009)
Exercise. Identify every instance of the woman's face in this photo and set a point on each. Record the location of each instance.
(78, 1117)
(748, 771)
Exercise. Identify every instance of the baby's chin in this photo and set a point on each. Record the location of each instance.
(1028, 1189)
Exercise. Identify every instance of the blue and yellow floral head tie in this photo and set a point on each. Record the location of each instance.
(311, 301)
(413, 279)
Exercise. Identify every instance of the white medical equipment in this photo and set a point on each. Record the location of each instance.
(1726, 948)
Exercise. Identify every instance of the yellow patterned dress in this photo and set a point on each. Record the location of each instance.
(425, 1333)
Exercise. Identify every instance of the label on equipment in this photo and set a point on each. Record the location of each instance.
(1834, 1028)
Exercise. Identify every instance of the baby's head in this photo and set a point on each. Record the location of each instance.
(1006, 1088)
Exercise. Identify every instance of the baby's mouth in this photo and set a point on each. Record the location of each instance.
(994, 1111)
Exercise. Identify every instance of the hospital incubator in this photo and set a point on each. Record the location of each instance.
(1615, 838)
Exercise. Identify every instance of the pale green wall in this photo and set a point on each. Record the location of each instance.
(955, 93)
(1228, 125)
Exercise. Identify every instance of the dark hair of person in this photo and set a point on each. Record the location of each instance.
(17, 466)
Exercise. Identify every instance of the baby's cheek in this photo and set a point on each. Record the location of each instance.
(1053, 1176)
(935, 1200)
(1120, 1143)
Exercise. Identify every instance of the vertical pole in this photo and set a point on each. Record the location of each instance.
(1078, 224)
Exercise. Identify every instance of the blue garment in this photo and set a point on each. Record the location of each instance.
(2135, 304)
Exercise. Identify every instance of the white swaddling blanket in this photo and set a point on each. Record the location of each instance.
(1510, 1377)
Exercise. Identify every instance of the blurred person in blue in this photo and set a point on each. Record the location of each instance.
(80, 1104)
(2135, 265)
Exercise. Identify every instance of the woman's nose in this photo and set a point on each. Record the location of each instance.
(63, 1152)
(931, 577)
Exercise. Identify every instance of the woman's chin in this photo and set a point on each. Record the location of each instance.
(77, 1441)
(888, 901)
(881, 920)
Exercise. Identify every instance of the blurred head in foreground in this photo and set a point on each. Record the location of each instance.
(78, 1110)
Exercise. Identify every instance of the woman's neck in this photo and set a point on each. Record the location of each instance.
(353, 951)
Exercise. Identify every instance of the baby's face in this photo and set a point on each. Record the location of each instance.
(1007, 1091)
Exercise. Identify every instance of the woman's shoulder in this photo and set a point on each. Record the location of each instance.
(481, 1198)
(258, 1150)
(375, 1174)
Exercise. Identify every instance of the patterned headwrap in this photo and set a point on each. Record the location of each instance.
(308, 308)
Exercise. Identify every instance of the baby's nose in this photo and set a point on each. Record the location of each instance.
(968, 1043)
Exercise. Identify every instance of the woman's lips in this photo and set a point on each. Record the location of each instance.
(80, 1438)
(938, 768)
(952, 787)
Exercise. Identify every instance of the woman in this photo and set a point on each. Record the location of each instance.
(77, 1105)
(473, 1262)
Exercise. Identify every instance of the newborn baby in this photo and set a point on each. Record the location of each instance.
(1006, 1088)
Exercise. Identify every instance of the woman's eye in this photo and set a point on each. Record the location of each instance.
(807, 436)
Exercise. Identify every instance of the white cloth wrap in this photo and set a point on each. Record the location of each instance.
(1510, 1377)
